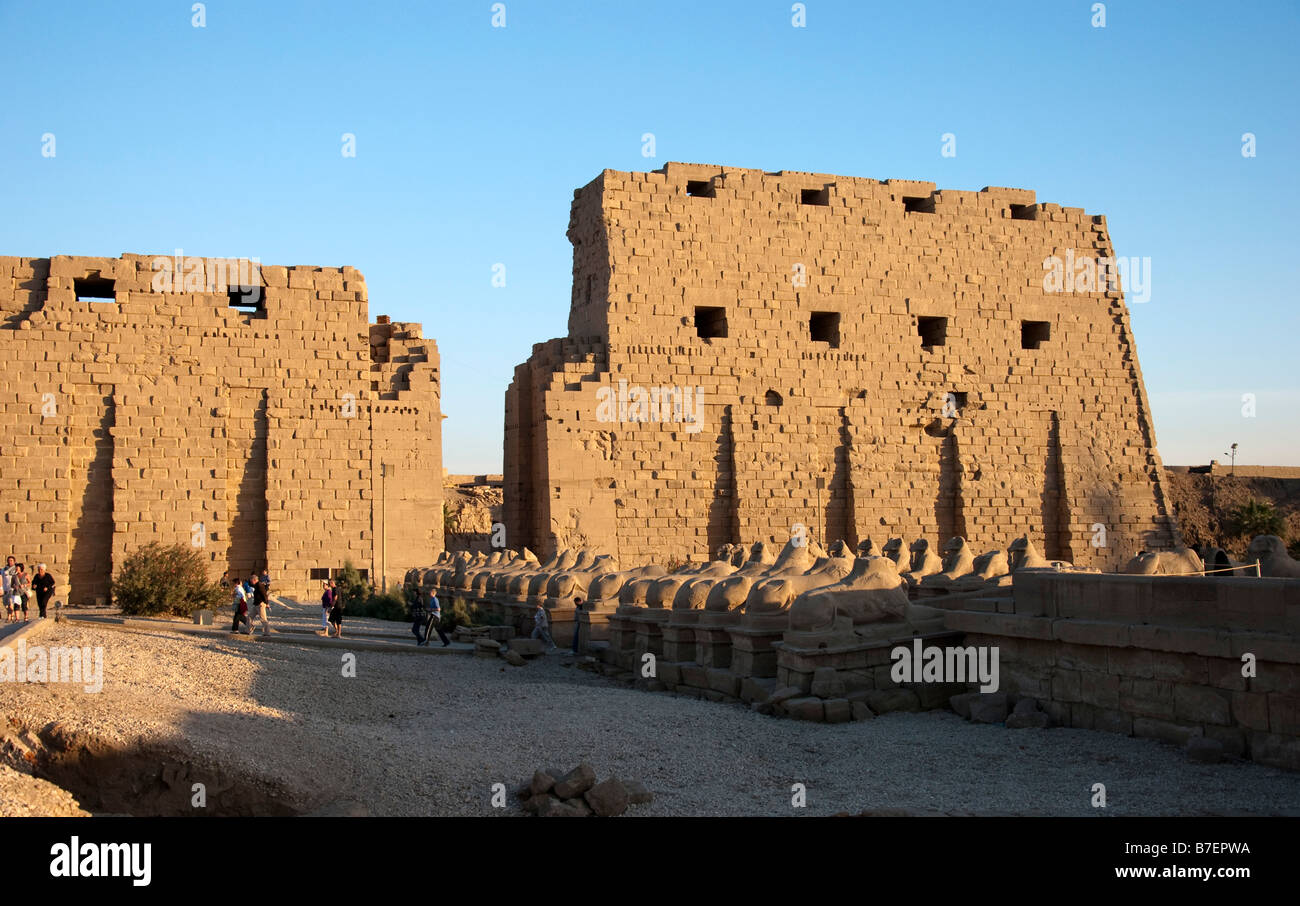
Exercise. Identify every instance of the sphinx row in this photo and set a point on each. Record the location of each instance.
(738, 610)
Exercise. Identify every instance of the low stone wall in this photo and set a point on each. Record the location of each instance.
(1158, 657)
(1151, 656)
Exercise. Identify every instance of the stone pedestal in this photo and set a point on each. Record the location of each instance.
(593, 624)
(492, 608)
(713, 637)
(563, 620)
(862, 663)
(649, 626)
(679, 635)
(519, 616)
(622, 635)
(754, 644)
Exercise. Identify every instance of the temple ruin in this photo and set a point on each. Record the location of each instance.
(252, 411)
(753, 355)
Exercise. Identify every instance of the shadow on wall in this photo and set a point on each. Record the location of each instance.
(473, 542)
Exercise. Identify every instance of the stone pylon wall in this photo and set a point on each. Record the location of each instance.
(821, 402)
(171, 416)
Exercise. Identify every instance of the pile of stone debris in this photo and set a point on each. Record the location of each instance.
(578, 795)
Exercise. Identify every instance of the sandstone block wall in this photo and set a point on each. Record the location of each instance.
(1156, 656)
(256, 432)
(870, 359)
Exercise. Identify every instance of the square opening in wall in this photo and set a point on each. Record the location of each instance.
(933, 331)
(710, 322)
(320, 573)
(699, 188)
(824, 326)
(95, 289)
(241, 300)
(1034, 333)
(1024, 212)
(815, 196)
(914, 205)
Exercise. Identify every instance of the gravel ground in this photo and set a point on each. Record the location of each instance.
(430, 735)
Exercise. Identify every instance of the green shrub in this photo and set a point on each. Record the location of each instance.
(1257, 517)
(386, 607)
(158, 579)
(354, 590)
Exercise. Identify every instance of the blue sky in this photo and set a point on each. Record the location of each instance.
(226, 140)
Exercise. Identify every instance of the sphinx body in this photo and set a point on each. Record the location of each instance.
(991, 568)
(485, 581)
(573, 583)
(776, 593)
(893, 550)
(1181, 562)
(958, 561)
(727, 594)
(1274, 560)
(924, 562)
(604, 590)
(1023, 555)
(870, 602)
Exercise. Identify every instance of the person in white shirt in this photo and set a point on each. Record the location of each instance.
(542, 626)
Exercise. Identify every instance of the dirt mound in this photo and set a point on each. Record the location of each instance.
(1203, 505)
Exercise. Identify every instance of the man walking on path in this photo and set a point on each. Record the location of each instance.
(542, 626)
(418, 618)
(259, 599)
(435, 620)
(43, 585)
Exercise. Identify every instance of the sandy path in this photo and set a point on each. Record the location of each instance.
(430, 735)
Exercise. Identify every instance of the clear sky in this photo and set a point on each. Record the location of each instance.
(226, 140)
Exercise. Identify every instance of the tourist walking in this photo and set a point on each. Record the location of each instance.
(7, 586)
(22, 589)
(259, 601)
(336, 613)
(418, 618)
(241, 609)
(326, 602)
(43, 585)
(542, 627)
(434, 618)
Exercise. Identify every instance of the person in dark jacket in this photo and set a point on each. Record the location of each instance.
(43, 585)
(577, 606)
(418, 619)
(260, 602)
(326, 602)
(336, 614)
